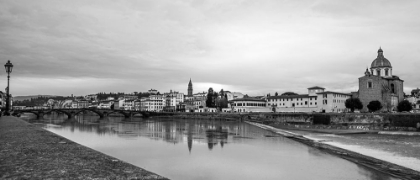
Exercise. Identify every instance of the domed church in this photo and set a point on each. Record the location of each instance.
(380, 84)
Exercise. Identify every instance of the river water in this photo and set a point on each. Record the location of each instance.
(203, 149)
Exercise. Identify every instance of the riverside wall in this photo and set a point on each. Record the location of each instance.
(365, 121)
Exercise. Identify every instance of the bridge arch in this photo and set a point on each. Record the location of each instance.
(101, 115)
(20, 112)
(122, 112)
(133, 113)
(69, 115)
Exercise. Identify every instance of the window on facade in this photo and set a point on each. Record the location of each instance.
(369, 84)
(392, 88)
(386, 72)
(378, 72)
(306, 102)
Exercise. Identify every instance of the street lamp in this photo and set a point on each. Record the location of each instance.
(8, 66)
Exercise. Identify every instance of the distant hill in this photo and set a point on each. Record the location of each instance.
(21, 98)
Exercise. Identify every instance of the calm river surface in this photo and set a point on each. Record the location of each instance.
(202, 149)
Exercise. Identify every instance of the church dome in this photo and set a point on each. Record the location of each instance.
(380, 61)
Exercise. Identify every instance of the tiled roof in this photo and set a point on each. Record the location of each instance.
(316, 87)
(392, 78)
(292, 96)
(331, 92)
(248, 99)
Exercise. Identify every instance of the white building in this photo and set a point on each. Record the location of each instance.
(173, 98)
(332, 101)
(248, 104)
(153, 103)
(106, 104)
(233, 95)
(91, 97)
(317, 100)
(129, 104)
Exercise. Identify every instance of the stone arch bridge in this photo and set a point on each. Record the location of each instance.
(100, 112)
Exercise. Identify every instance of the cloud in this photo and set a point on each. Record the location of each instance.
(256, 47)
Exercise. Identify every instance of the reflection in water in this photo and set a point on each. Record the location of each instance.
(201, 149)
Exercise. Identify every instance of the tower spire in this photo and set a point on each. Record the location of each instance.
(190, 88)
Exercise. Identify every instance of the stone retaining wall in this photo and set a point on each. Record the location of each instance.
(363, 121)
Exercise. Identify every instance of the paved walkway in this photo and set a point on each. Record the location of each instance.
(30, 152)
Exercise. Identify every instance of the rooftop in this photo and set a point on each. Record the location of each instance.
(331, 92)
(316, 87)
(291, 96)
(393, 78)
(249, 99)
(380, 61)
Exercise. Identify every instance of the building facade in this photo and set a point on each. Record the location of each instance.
(153, 103)
(317, 100)
(248, 104)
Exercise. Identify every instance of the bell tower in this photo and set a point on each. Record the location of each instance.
(190, 89)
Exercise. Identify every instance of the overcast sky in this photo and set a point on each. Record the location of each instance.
(254, 47)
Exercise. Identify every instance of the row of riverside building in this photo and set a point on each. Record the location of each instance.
(377, 84)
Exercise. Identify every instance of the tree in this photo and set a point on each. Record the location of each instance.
(374, 106)
(276, 94)
(404, 106)
(289, 94)
(211, 98)
(353, 103)
(221, 93)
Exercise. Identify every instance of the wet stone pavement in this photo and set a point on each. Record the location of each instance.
(30, 152)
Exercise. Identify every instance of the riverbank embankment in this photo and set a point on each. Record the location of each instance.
(30, 152)
(335, 123)
(361, 159)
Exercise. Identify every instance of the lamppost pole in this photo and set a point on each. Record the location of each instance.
(8, 66)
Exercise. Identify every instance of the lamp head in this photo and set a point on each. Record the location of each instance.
(8, 66)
